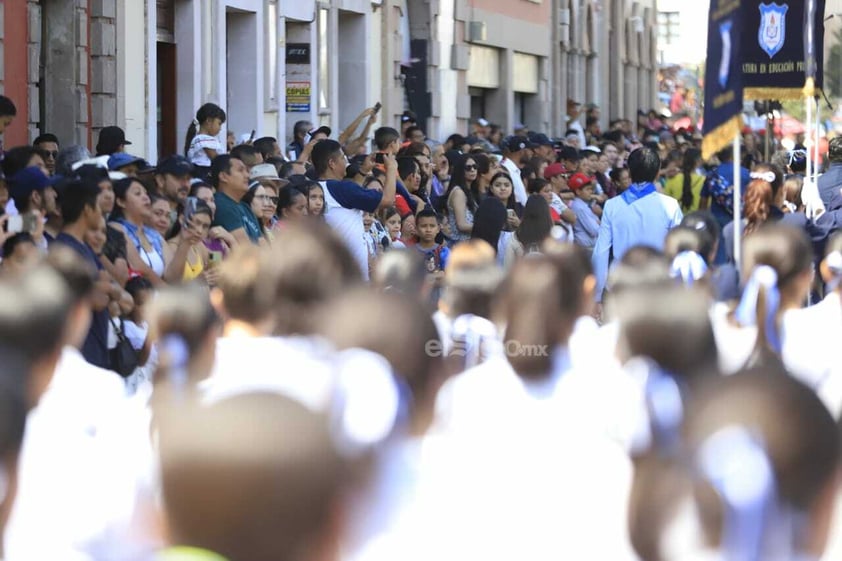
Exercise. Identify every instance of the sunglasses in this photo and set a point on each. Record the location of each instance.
(51, 153)
(471, 167)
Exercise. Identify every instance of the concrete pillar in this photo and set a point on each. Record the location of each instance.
(352, 68)
(188, 34)
(130, 64)
(501, 101)
(245, 72)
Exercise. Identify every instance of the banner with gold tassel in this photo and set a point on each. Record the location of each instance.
(723, 77)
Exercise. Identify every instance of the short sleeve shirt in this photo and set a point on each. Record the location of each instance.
(345, 202)
(196, 153)
(232, 216)
(95, 347)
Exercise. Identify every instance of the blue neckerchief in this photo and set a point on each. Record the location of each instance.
(151, 235)
(638, 191)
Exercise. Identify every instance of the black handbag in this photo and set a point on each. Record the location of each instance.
(122, 358)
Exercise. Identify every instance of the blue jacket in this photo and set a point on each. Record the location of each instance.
(830, 182)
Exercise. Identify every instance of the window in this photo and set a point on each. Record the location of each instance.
(272, 46)
(668, 28)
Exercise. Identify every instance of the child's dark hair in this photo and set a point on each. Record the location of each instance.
(685, 238)
(535, 185)
(427, 213)
(13, 242)
(536, 223)
(136, 285)
(384, 136)
(510, 204)
(205, 112)
(7, 107)
(286, 197)
(387, 213)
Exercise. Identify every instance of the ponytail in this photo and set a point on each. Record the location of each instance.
(759, 199)
(205, 112)
(759, 307)
(191, 134)
(688, 166)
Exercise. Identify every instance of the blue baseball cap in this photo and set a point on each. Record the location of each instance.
(176, 165)
(121, 159)
(28, 180)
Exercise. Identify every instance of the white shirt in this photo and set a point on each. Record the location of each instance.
(517, 181)
(811, 338)
(646, 221)
(575, 125)
(345, 202)
(196, 153)
(516, 488)
(356, 386)
(69, 494)
(734, 343)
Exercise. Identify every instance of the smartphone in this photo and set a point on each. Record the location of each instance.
(380, 158)
(251, 138)
(190, 206)
(511, 213)
(214, 258)
(377, 107)
(14, 225)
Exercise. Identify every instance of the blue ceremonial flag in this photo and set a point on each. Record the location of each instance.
(782, 46)
(723, 77)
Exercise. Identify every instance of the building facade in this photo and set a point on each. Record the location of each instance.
(74, 66)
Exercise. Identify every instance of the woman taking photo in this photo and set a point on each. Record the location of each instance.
(189, 254)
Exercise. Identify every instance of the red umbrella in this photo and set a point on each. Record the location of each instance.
(788, 126)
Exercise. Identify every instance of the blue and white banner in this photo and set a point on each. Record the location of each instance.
(778, 53)
(723, 76)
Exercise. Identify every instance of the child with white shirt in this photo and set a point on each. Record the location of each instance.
(201, 144)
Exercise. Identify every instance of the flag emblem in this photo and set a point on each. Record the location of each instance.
(725, 63)
(772, 32)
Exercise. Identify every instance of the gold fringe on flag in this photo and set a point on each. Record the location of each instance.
(751, 94)
(721, 136)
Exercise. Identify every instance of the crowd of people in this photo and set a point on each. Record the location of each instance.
(381, 346)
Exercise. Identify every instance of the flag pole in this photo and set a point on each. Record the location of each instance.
(808, 138)
(738, 199)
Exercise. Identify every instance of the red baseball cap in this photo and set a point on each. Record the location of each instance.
(578, 181)
(553, 170)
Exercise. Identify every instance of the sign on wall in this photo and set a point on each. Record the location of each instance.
(298, 97)
(298, 53)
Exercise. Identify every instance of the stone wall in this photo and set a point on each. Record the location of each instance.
(103, 57)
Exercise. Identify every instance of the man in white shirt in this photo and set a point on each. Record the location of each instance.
(345, 201)
(642, 218)
(574, 110)
(515, 148)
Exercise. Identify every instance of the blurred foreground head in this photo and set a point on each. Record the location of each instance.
(758, 466)
(277, 289)
(253, 477)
